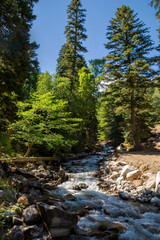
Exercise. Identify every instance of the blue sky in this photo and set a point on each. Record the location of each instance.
(48, 28)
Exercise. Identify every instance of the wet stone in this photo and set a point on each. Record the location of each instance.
(69, 197)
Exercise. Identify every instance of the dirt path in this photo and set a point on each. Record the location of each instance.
(146, 160)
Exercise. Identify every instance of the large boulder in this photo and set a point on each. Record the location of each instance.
(151, 182)
(33, 231)
(157, 189)
(133, 175)
(126, 169)
(58, 221)
(31, 215)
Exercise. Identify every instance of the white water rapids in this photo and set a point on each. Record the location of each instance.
(135, 221)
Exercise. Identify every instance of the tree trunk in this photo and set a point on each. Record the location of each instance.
(30, 145)
(136, 140)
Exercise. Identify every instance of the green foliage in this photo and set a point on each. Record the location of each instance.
(70, 60)
(96, 66)
(7, 212)
(45, 83)
(110, 123)
(129, 70)
(17, 54)
(43, 120)
(87, 103)
(5, 144)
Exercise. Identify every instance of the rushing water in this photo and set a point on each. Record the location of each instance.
(135, 221)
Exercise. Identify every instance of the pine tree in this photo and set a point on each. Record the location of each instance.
(70, 60)
(17, 53)
(156, 5)
(129, 68)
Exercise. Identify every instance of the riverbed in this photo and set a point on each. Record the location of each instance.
(104, 215)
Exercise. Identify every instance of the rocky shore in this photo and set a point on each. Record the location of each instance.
(117, 177)
(27, 211)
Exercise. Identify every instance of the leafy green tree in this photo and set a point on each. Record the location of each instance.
(17, 53)
(43, 120)
(129, 69)
(86, 107)
(70, 59)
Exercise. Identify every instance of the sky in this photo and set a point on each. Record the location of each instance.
(48, 28)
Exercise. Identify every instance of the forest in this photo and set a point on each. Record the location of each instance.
(44, 114)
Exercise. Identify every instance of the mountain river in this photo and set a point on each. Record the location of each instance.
(131, 220)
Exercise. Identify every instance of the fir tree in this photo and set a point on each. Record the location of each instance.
(17, 53)
(129, 68)
(70, 60)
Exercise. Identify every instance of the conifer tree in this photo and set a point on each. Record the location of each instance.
(129, 69)
(70, 59)
(17, 53)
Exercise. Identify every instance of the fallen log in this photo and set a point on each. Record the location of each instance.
(29, 159)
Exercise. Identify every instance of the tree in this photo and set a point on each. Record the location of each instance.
(110, 125)
(96, 66)
(43, 120)
(17, 53)
(129, 69)
(70, 60)
(156, 5)
(87, 103)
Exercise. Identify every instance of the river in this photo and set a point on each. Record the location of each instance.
(107, 213)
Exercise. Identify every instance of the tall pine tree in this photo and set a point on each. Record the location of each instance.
(70, 59)
(17, 53)
(129, 69)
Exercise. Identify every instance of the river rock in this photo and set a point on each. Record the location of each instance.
(114, 175)
(31, 215)
(155, 201)
(157, 189)
(57, 220)
(33, 231)
(36, 185)
(17, 221)
(137, 183)
(120, 179)
(18, 236)
(124, 195)
(133, 175)
(23, 200)
(83, 185)
(151, 182)
(126, 169)
(69, 197)
(122, 163)
(120, 227)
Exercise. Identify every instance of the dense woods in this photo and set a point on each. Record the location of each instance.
(114, 99)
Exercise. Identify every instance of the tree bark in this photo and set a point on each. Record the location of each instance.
(30, 145)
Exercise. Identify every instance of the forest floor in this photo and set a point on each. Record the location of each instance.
(147, 160)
